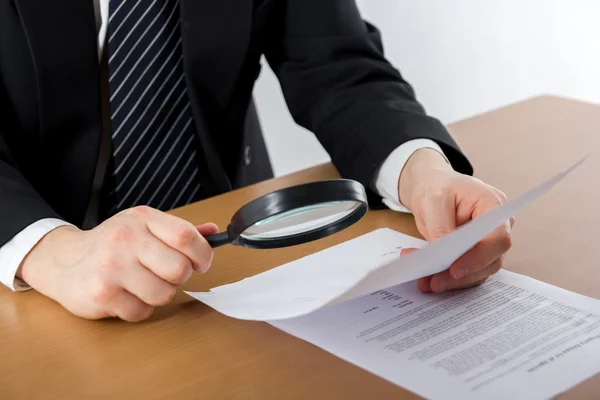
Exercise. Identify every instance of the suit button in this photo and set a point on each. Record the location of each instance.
(247, 157)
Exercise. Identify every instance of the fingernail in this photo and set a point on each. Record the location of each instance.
(461, 273)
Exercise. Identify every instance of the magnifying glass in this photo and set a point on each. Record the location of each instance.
(295, 215)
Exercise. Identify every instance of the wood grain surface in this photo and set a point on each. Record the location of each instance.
(187, 350)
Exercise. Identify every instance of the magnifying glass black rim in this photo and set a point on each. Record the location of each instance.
(308, 236)
(295, 197)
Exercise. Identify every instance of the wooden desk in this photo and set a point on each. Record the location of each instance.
(190, 351)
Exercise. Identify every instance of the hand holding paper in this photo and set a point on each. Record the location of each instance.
(441, 199)
(355, 268)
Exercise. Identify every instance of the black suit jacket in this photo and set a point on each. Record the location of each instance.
(330, 64)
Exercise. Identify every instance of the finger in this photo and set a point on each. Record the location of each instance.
(439, 218)
(444, 281)
(424, 284)
(147, 286)
(207, 229)
(483, 253)
(130, 308)
(407, 250)
(489, 248)
(164, 261)
(181, 236)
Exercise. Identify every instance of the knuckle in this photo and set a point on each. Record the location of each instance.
(139, 211)
(166, 296)
(146, 313)
(180, 270)
(438, 195)
(121, 234)
(103, 292)
(138, 314)
(185, 236)
(109, 265)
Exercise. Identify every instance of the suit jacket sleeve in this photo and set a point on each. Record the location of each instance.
(20, 205)
(338, 84)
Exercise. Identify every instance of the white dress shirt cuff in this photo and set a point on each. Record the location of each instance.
(386, 181)
(14, 251)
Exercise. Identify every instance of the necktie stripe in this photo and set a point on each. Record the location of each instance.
(114, 13)
(144, 177)
(154, 138)
(167, 176)
(148, 48)
(147, 104)
(155, 134)
(132, 89)
(182, 149)
(139, 169)
(118, 28)
(154, 154)
(161, 113)
(131, 31)
(139, 173)
(176, 181)
(138, 64)
(148, 31)
(150, 141)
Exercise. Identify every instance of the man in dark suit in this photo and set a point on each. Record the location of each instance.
(114, 112)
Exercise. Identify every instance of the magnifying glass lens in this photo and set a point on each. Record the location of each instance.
(295, 215)
(300, 220)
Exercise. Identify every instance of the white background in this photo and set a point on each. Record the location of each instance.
(463, 57)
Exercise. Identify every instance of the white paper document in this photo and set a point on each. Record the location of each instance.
(355, 268)
(511, 338)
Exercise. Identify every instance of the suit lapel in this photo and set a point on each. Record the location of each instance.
(64, 49)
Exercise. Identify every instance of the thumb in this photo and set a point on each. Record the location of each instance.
(207, 229)
(439, 218)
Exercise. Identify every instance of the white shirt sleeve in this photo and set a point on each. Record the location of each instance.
(386, 179)
(14, 251)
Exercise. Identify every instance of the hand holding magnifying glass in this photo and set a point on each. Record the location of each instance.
(295, 215)
(135, 260)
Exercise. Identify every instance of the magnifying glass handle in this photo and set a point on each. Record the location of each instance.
(218, 240)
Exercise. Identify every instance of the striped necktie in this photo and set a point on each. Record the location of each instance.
(154, 143)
